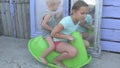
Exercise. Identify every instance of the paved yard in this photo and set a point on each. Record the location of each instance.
(14, 54)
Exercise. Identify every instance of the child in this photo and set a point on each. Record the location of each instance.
(85, 27)
(48, 23)
(62, 31)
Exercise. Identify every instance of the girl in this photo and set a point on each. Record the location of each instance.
(62, 31)
(48, 23)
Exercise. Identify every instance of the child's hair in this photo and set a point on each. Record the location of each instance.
(49, 2)
(79, 4)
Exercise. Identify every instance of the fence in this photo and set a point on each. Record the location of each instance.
(15, 18)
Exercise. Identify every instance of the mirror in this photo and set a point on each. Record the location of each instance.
(93, 19)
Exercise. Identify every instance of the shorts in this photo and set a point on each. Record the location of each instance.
(57, 43)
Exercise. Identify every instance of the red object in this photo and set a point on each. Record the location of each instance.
(57, 43)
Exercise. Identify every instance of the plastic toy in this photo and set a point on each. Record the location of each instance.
(38, 45)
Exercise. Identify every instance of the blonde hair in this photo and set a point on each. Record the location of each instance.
(49, 2)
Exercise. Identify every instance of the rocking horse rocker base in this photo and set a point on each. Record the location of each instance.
(38, 45)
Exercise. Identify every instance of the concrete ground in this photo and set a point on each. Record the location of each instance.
(14, 54)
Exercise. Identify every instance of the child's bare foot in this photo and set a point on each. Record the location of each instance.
(43, 61)
(59, 64)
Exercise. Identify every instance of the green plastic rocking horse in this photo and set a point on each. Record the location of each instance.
(38, 45)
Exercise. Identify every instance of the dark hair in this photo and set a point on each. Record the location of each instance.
(79, 4)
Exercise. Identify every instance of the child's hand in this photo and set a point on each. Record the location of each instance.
(71, 38)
